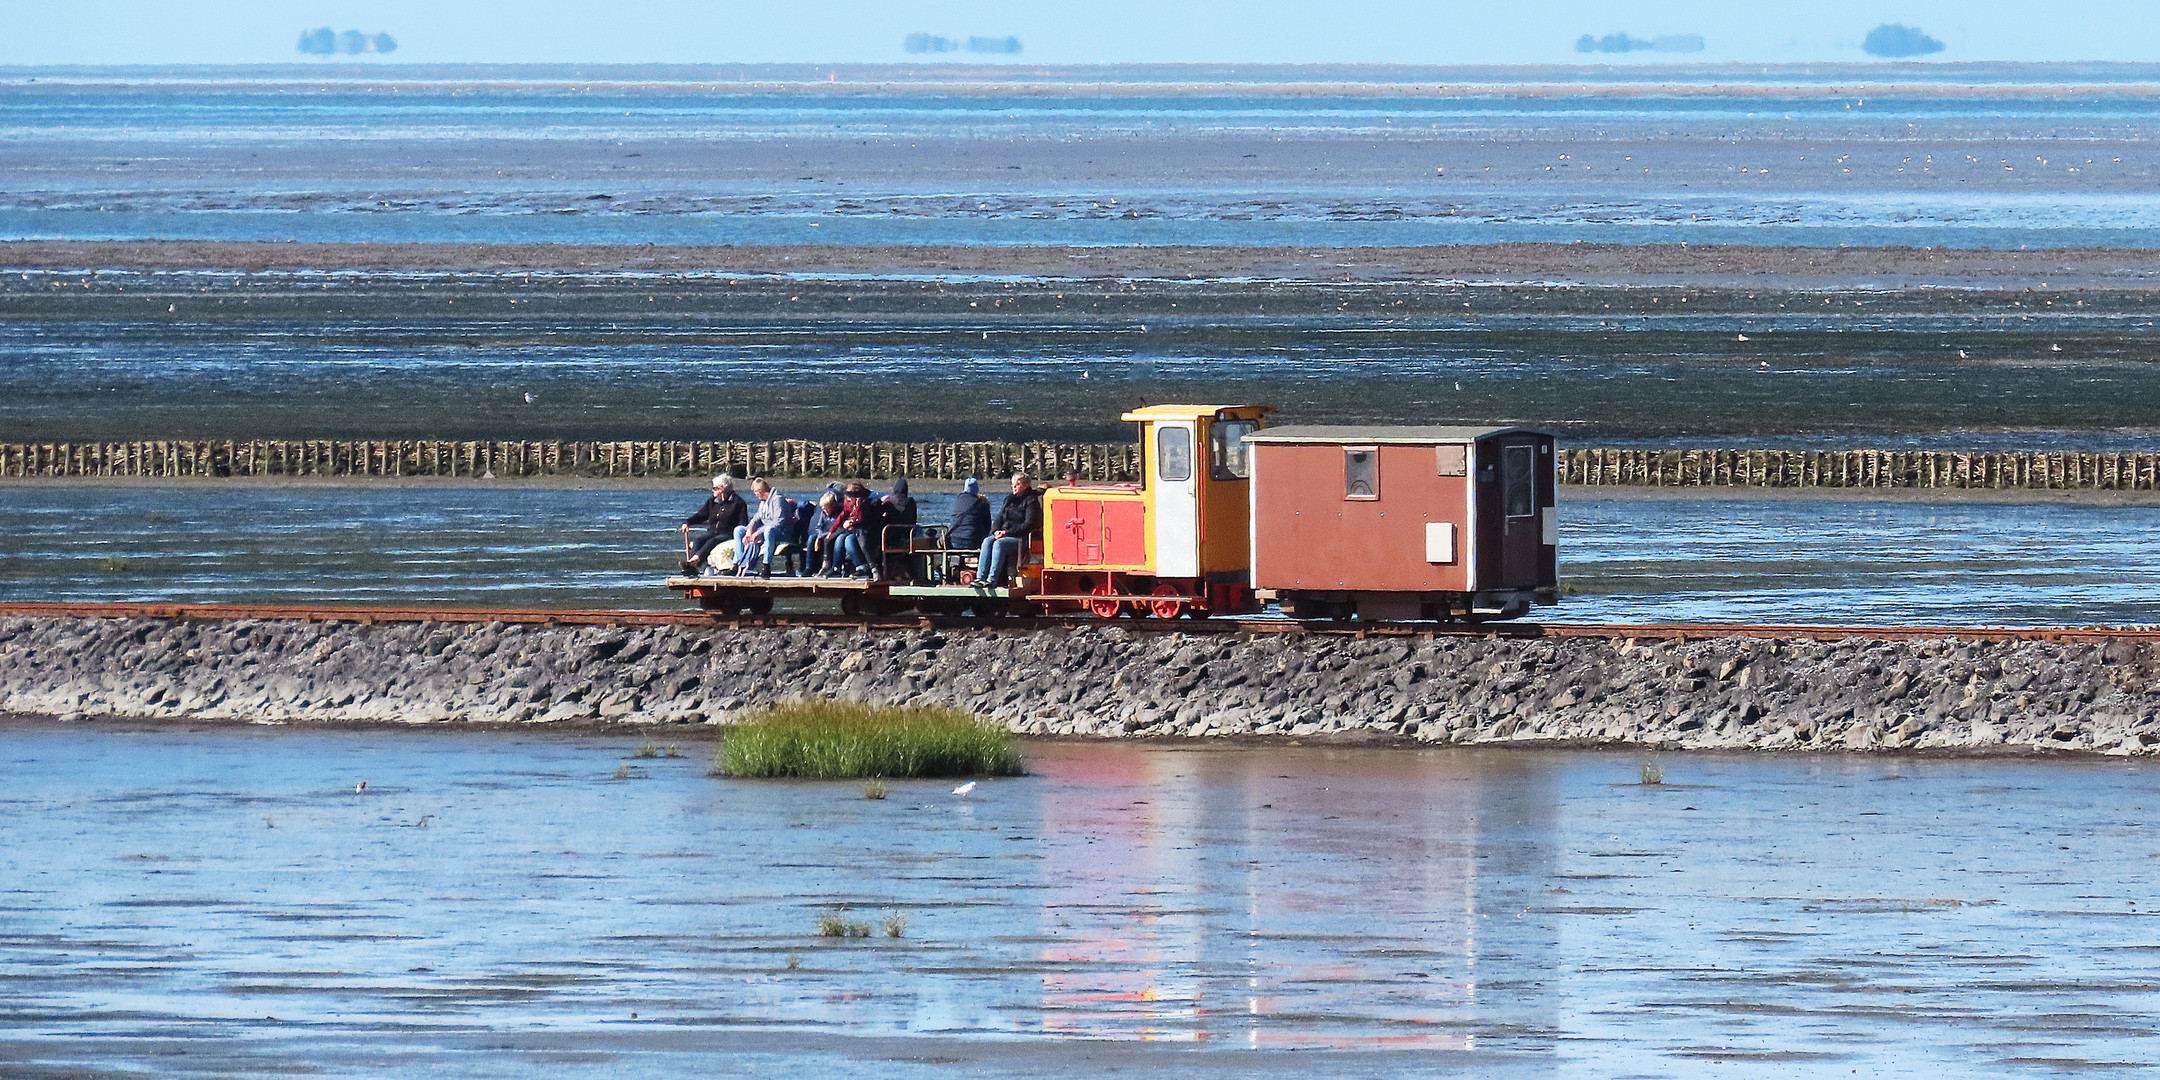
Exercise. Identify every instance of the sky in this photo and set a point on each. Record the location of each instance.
(40, 32)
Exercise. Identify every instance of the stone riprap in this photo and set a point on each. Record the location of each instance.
(1105, 681)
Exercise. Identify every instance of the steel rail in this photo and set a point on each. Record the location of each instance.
(355, 613)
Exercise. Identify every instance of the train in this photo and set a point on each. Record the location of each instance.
(1230, 515)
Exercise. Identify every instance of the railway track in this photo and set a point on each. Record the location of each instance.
(570, 617)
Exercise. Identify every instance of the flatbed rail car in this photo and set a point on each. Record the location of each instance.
(1371, 522)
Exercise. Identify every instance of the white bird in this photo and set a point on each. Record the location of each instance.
(964, 788)
(1458, 386)
(1765, 365)
(1962, 356)
(1742, 337)
(2054, 348)
(529, 399)
(360, 787)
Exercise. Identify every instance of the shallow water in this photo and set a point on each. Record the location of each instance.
(1622, 560)
(543, 157)
(222, 902)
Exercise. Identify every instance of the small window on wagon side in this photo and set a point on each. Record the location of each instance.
(1173, 453)
(1361, 472)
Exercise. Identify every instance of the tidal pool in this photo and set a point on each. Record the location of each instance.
(221, 901)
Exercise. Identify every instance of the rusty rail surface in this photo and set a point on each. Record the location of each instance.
(911, 621)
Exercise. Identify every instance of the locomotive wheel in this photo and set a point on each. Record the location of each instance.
(1105, 609)
(721, 602)
(759, 605)
(851, 604)
(1166, 608)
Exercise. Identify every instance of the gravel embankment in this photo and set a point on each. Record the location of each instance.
(1108, 682)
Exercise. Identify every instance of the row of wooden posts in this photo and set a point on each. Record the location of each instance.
(429, 457)
(803, 459)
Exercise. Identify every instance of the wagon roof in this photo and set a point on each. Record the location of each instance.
(1374, 434)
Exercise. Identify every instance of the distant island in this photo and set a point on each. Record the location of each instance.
(1899, 40)
(328, 42)
(1622, 43)
(933, 43)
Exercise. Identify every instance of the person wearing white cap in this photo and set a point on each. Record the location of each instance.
(720, 516)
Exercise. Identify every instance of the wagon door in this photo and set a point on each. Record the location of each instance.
(1522, 529)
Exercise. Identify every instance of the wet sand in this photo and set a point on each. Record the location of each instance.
(1623, 266)
(358, 341)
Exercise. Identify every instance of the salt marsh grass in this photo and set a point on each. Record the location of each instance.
(835, 923)
(829, 740)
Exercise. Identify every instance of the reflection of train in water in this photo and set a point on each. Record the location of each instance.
(1228, 514)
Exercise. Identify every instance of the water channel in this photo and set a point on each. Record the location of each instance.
(220, 901)
(1623, 559)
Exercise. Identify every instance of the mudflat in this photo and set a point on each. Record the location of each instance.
(1588, 265)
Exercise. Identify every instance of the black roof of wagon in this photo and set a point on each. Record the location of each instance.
(1376, 434)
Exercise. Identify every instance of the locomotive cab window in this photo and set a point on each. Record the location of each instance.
(1228, 456)
(1361, 472)
(1173, 453)
(1518, 481)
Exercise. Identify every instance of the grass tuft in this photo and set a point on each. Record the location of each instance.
(647, 750)
(1652, 773)
(873, 789)
(114, 564)
(895, 925)
(829, 740)
(624, 771)
(835, 923)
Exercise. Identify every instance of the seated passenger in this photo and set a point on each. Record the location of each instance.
(852, 532)
(771, 526)
(720, 515)
(898, 512)
(1018, 521)
(970, 518)
(817, 533)
(899, 506)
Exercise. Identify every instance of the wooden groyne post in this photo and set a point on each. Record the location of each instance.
(806, 459)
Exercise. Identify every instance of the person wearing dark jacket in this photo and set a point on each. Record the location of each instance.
(720, 515)
(900, 506)
(898, 512)
(1017, 523)
(970, 518)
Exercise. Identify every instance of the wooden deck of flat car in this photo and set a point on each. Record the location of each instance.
(728, 594)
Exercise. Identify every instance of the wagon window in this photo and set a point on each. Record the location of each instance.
(1518, 481)
(1173, 453)
(1228, 456)
(1361, 472)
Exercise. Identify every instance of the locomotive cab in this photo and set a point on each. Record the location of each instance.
(1175, 542)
